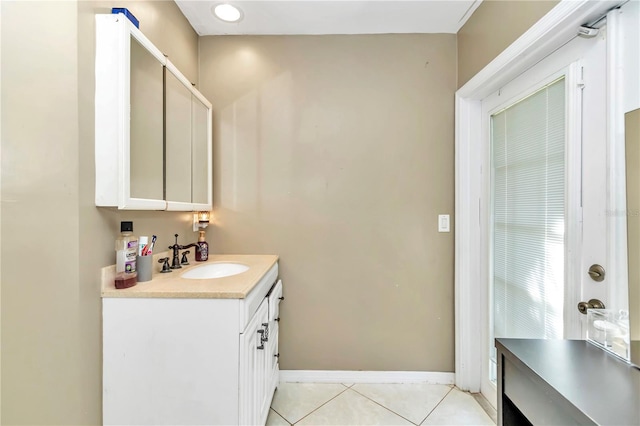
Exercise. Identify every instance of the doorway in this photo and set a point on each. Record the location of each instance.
(473, 233)
(542, 210)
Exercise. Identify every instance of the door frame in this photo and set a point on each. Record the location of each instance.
(551, 32)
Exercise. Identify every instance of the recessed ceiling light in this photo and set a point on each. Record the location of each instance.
(227, 12)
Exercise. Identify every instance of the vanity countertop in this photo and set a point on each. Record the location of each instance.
(171, 285)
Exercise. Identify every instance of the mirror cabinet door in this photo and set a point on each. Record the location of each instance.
(178, 140)
(146, 123)
(200, 148)
(632, 155)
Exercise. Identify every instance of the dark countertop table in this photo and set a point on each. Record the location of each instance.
(574, 376)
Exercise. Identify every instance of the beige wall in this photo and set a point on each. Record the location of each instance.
(336, 152)
(54, 240)
(342, 157)
(40, 252)
(492, 28)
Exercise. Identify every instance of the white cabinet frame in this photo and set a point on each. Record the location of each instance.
(112, 112)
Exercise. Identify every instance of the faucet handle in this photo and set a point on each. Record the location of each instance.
(165, 265)
(184, 260)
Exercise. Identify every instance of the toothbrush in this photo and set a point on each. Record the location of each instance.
(149, 248)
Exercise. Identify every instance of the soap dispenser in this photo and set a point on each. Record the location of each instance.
(202, 253)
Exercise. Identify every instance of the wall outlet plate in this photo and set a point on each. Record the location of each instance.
(443, 223)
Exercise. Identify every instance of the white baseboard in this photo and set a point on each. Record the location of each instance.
(336, 376)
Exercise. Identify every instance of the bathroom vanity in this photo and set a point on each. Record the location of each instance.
(192, 351)
(564, 382)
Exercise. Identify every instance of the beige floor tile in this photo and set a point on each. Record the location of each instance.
(413, 401)
(351, 408)
(274, 419)
(293, 401)
(458, 408)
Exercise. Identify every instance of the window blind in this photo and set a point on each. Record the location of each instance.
(528, 193)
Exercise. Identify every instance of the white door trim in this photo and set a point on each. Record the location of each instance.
(617, 200)
(548, 34)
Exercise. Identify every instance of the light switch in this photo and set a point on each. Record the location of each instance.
(443, 223)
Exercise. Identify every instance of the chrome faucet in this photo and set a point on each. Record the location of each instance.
(176, 263)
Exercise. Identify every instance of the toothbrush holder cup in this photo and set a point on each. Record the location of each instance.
(144, 267)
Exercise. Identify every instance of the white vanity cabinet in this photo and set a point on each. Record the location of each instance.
(152, 127)
(191, 361)
(259, 360)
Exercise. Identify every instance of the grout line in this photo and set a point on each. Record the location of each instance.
(438, 404)
(281, 416)
(386, 408)
(451, 388)
(271, 408)
(317, 408)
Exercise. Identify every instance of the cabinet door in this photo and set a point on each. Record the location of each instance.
(187, 144)
(128, 117)
(201, 157)
(273, 356)
(146, 121)
(178, 139)
(273, 367)
(252, 367)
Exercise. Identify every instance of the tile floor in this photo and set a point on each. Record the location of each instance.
(375, 404)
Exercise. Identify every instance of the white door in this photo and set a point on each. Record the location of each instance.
(544, 209)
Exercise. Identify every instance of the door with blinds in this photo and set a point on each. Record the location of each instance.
(542, 130)
(528, 220)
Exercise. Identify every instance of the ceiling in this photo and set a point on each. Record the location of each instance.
(331, 17)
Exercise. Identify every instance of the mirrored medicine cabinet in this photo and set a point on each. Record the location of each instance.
(632, 155)
(152, 127)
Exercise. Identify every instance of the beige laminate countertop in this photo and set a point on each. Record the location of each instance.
(171, 285)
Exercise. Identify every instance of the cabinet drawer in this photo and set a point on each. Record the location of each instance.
(249, 306)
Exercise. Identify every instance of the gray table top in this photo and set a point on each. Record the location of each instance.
(603, 387)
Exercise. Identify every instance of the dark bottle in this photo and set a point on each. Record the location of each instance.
(202, 253)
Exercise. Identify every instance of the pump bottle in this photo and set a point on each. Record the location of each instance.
(202, 254)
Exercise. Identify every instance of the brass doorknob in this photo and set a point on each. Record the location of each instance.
(591, 304)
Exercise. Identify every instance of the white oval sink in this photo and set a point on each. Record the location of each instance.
(215, 270)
